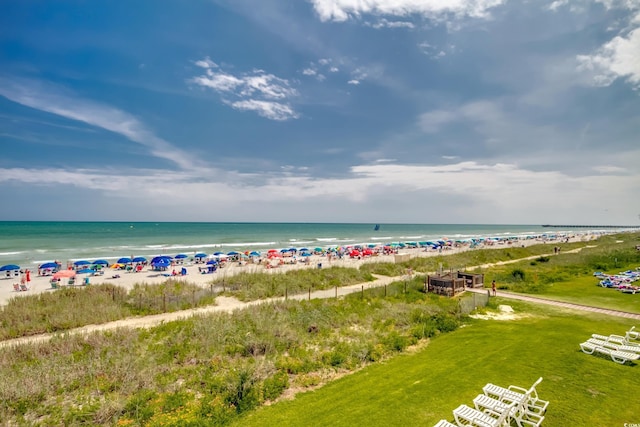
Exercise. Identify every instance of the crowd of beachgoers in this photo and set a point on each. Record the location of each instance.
(198, 267)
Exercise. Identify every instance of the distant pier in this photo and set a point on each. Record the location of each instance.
(590, 226)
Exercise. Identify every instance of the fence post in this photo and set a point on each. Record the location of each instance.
(336, 292)
(164, 302)
(362, 291)
(385, 290)
(309, 293)
(286, 292)
(193, 297)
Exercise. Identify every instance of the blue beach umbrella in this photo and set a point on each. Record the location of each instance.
(162, 258)
(100, 262)
(124, 260)
(81, 262)
(232, 253)
(47, 265)
(85, 271)
(254, 253)
(212, 261)
(218, 253)
(181, 256)
(9, 267)
(139, 259)
(201, 255)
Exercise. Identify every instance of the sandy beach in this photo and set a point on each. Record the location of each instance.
(127, 280)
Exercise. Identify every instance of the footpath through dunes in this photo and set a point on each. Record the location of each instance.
(226, 304)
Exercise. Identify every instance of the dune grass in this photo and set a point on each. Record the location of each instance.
(422, 388)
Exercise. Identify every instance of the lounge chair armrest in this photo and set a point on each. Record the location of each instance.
(518, 389)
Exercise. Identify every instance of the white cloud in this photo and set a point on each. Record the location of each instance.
(309, 72)
(334, 69)
(433, 121)
(266, 94)
(343, 10)
(206, 63)
(56, 100)
(618, 58)
(353, 82)
(385, 23)
(267, 109)
(495, 193)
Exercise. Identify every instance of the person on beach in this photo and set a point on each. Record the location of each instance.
(493, 288)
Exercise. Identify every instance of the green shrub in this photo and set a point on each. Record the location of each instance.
(273, 387)
(518, 274)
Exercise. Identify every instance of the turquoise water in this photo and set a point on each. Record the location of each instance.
(31, 243)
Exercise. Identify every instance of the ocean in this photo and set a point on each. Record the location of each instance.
(29, 244)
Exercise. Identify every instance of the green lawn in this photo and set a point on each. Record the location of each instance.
(422, 388)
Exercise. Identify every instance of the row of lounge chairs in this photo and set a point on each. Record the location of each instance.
(621, 349)
(499, 407)
(621, 281)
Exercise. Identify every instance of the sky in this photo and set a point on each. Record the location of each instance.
(377, 111)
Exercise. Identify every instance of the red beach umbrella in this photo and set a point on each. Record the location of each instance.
(64, 273)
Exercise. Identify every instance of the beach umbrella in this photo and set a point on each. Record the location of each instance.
(81, 262)
(254, 253)
(47, 265)
(303, 249)
(64, 273)
(85, 271)
(139, 259)
(101, 262)
(284, 250)
(232, 253)
(271, 251)
(9, 267)
(317, 249)
(212, 261)
(124, 260)
(200, 255)
(218, 253)
(166, 258)
(181, 256)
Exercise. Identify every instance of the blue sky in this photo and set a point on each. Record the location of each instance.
(419, 111)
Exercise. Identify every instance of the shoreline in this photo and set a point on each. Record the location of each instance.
(40, 284)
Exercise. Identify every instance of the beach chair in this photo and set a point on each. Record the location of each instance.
(72, 281)
(444, 423)
(614, 345)
(518, 395)
(23, 287)
(615, 339)
(16, 287)
(519, 411)
(468, 416)
(54, 283)
(617, 356)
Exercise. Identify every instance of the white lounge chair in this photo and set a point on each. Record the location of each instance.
(467, 416)
(519, 412)
(617, 356)
(514, 394)
(614, 345)
(444, 423)
(616, 339)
